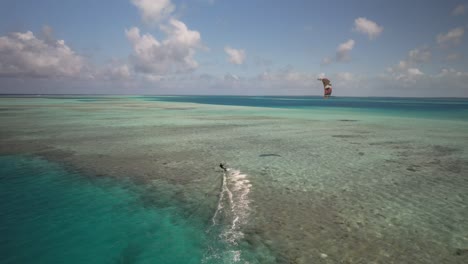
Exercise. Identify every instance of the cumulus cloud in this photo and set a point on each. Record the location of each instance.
(116, 70)
(155, 59)
(448, 82)
(415, 57)
(342, 53)
(404, 73)
(404, 76)
(173, 55)
(121, 71)
(451, 38)
(414, 72)
(451, 73)
(408, 70)
(368, 27)
(179, 35)
(419, 55)
(236, 56)
(25, 55)
(154, 11)
(459, 10)
(402, 65)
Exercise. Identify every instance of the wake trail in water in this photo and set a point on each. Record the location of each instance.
(231, 215)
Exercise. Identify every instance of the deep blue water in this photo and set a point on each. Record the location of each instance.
(440, 108)
(456, 107)
(51, 215)
(437, 104)
(386, 103)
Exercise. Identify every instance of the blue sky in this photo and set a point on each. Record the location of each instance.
(367, 48)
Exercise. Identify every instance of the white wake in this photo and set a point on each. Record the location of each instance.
(232, 211)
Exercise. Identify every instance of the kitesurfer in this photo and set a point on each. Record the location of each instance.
(327, 87)
(223, 166)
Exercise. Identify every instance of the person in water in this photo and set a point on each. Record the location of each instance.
(223, 166)
(327, 87)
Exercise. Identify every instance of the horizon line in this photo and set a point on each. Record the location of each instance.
(308, 95)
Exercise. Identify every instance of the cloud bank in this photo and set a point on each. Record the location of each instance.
(25, 55)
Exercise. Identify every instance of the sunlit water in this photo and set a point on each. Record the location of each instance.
(50, 215)
(137, 180)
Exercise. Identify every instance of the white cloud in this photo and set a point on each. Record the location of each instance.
(402, 65)
(236, 56)
(172, 56)
(366, 26)
(448, 82)
(403, 74)
(408, 70)
(121, 71)
(116, 71)
(155, 59)
(342, 53)
(154, 10)
(419, 55)
(453, 37)
(414, 72)
(25, 55)
(451, 73)
(459, 10)
(179, 35)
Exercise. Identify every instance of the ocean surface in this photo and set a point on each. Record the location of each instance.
(51, 215)
(137, 179)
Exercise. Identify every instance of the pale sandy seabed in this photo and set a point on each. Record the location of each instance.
(324, 186)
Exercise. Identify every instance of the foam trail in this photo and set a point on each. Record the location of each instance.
(221, 198)
(232, 212)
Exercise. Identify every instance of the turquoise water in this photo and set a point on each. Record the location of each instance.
(50, 215)
(344, 180)
(451, 108)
